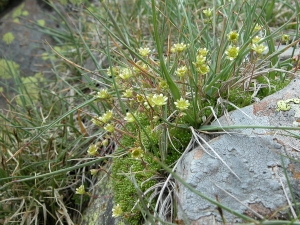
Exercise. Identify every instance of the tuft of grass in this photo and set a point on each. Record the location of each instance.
(38, 178)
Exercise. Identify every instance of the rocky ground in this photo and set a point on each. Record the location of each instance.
(22, 44)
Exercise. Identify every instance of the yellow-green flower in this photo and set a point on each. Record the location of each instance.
(285, 38)
(202, 68)
(181, 71)
(144, 51)
(102, 94)
(109, 128)
(115, 71)
(179, 47)
(163, 84)
(256, 39)
(80, 190)
(140, 98)
(105, 142)
(257, 28)
(106, 116)
(202, 51)
(233, 36)
(128, 93)
(149, 102)
(140, 65)
(159, 100)
(232, 52)
(129, 117)
(126, 73)
(92, 150)
(207, 12)
(182, 104)
(136, 153)
(259, 49)
(97, 121)
(93, 172)
(200, 59)
(117, 211)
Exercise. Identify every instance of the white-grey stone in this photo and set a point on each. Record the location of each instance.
(257, 156)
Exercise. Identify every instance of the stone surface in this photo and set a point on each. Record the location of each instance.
(254, 155)
(99, 211)
(23, 44)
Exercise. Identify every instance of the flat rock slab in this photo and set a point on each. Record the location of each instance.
(258, 159)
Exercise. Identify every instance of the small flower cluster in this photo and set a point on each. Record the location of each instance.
(126, 73)
(178, 48)
(153, 100)
(208, 15)
(201, 61)
(104, 119)
(102, 94)
(181, 71)
(129, 117)
(140, 95)
(285, 38)
(233, 37)
(117, 211)
(80, 190)
(182, 104)
(93, 150)
(232, 51)
(258, 48)
(136, 152)
(144, 51)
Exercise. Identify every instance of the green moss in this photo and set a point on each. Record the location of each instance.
(180, 140)
(123, 170)
(273, 86)
(239, 97)
(151, 140)
(136, 131)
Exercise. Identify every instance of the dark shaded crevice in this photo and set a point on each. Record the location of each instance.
(12, 4)
(44, 5)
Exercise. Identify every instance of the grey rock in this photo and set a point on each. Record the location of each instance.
(28, 43)
(287, 52)
(99, 211)
(258, 157)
